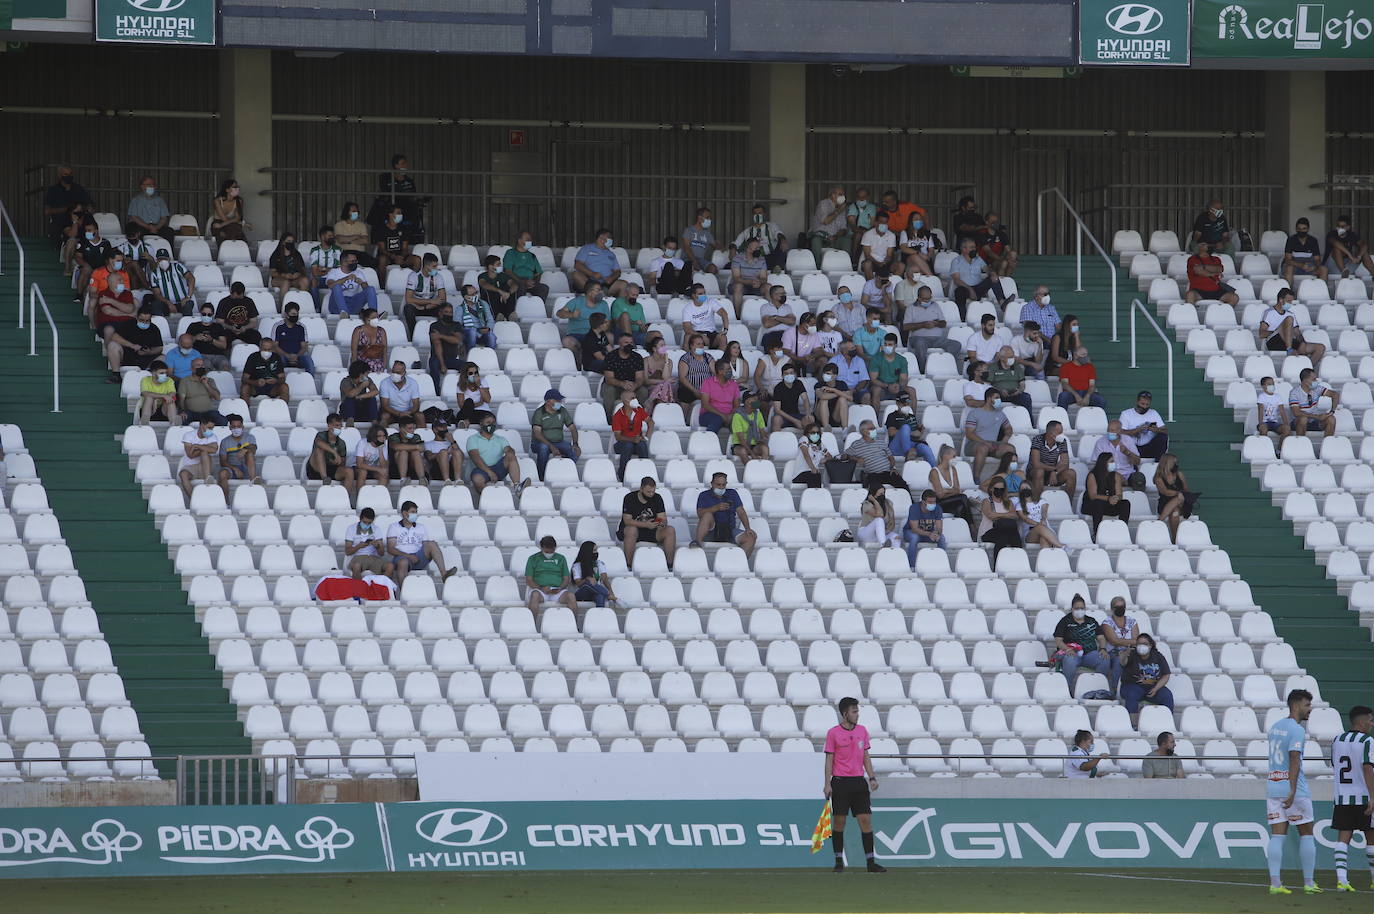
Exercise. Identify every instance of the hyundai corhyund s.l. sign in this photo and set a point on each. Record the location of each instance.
(1135, 33)
(155, 21)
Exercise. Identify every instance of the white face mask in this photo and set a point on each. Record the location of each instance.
(634, 403)
(373, 322)
(839, 201)
(1143, 650)
(789, 378)
(706, 223)
(410, 516)
(1045, 300)
(397, 377)
(1013, 465)
(1078, 614)
(164, 264)
(1269, 388)
(829, 376)
(236, 432)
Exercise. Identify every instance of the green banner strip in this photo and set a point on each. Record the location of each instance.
(1284, 30)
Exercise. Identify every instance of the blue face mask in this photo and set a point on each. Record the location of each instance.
(144, 325)
(1112, 436)
(846, 297)
(917, 223)
(701, 299)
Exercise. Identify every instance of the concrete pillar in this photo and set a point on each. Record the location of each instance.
(245, 131)
(777, 137)
(1295, 146)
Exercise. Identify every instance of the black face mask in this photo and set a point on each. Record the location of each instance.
(292, 318)
(67, 179)
(201, 372)
(1118, 610)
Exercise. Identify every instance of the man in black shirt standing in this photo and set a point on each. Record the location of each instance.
(136, 342)
(643, 518)
(58, 201)
(967, 222)
(264, 374)
(1302, 255)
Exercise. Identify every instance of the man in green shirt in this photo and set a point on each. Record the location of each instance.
(1008, 377)
(547, 577)
(749, 431)
(521, 263)
(887, 371)
(627, 315)
(547, 431)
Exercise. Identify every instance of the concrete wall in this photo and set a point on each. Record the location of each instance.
(89, 793)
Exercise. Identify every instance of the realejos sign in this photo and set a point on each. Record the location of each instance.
(1153, 33)
(1284, 29)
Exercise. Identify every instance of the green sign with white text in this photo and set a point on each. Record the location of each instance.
(1284, 30)
(155, 21)
(1137, 33)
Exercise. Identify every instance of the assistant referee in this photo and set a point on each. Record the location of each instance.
(846, 764)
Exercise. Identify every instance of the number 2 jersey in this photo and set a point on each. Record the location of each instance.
(1350, 752)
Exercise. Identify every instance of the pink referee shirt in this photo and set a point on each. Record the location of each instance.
(848, 748)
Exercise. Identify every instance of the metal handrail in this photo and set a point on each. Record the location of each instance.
(1082, 229)
(36, 294)
(19, 246)
(1168, 350)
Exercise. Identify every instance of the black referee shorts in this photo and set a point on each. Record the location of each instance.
(1350, 817)
(850, 796)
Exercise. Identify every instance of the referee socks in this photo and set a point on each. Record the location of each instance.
(837, 842)
(867, 837)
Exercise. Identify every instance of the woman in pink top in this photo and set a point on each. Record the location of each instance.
(719, 397)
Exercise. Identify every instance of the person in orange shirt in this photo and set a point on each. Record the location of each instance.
(899, 212)
(113, 273)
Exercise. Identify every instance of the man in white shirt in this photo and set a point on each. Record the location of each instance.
(771, 238)
(775, 315)
(1273, 411)
(1279, 331)
(364, 548)
(699, 316)
(1145, 425)
(349, 290)
(668, 273)
(1030, 349)
(198, 445)
(399, 396)
(879, 246)
(1125, 460)
(984, 345)
(1080, 764)
(408, 542)
(1310, 414)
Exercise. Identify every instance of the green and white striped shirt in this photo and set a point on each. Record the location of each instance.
(1350, 752)
(171, 282)
(326, 258)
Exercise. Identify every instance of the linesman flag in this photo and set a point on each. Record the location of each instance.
(822, 829)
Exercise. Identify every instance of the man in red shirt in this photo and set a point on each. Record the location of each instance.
(1204, 278)
(631, 426)
(1078, 382)
(846, 763)
(899, 213)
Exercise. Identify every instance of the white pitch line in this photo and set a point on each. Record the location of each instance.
(1245, 885)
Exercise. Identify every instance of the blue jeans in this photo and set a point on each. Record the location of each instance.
(597, 593)
(351, 304)
(1133, 693)
(542, 453)
(303, 362)
(712, 422)
(1066, 400)
(1093, 660)
(437, 366)
(473, 339)
(901, 442)
(912, 541)
(628, 450)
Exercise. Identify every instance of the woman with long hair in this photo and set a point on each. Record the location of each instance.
(590, 578)
(944, 481)
(1001, 522)
(226, 213)
(287, 266)
(1064, 344)
(1175, 501)
(1035, 518)
(1102, 496)
(1143, 678)
(368, 343)
(879, 524)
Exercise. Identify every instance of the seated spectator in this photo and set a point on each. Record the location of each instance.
(850, 314)
(398, 396)
(967, 223)
(888, 371)
(1041, 312)
(112, 278)
(874, 458)
(1302, 254)
(1001, 521)
(660, 375)
(880, 288)
(577, 312)
(669, 273)
(870, 336)
(443, 456)
(425, 294)
(328, 459)
(238, 455)
(833, 399)
(1145, 426)
(986, 430)
(499, 290)
(139, 256)
(1273, 412)
(393, 239)
(829, 228)
(596, 262)
(721, 517)
(1080, 764)
(1050, 466)
(802, 344)
(409, 544)
(1119, 631)
(407, 451)
(971, 279)
(149, 211)
(1102, 493)
(493, 459)
(239, 316)
(1279, 331)
(358, 395)
(198, 445)
(1176, 501)
(75, 226)
(693, 370)
(878, 522)
(1205, 270)
(1212, 228)
(136, 343)
(1346, 251)
(291, 341)
(791, 403)
(852, 368)
(720, 397)
(925, 526)
(226, 214)
(815, 457)
(326, 258)
(1034, 514)
(699, 242)
(630, 429)
(769, 369)
(944, 482)
(89, 253)
(1309, 413)
(905, 433)
(984, 345)
(211, 339)
(372, 461)
(627, 315)
(976, 387)
(349, 290)
(900, 212)
(858, 217)
(748, 274)
(749, 430)
(1078, 382)
(1064, 344)
(522, 265)
(772, 240)
(994, 246)
(643, 518)
(552, 429)
(1008, 377)
(157, 395)
(622, 371)
(180, 357)
(351, 234)
(171, 287)
(1008, 474)
(879, 247)
(199, 396)
(1143, 678)
(596, 342)
(739, 365)
(706, 317)
(364, 549)
(924, 325)
(476, 318)
(548, 579)
(1161, 762)
(287, 268)
(917, 246)
(1029, 348)
(474, 396)
(447, 345)
(828, 337)
(590, 578)
(1078, 638)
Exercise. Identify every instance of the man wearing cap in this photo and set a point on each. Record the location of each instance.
(1146, 427)
(549, 424)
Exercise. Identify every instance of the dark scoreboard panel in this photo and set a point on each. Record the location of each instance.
(1002, 32)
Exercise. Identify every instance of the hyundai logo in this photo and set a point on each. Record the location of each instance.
(461, 827)
(1134, 19)
(157, 6)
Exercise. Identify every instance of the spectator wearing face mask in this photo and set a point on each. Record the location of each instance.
(1144, 425)
(447, 346)
(829, 228)
(238, 455)
(325, 258)
(407, 451)
(393, 239)
(226, 214)
(1310, 414)
(870, 336)
(944, 482)
(1120, 632)
(364, 548)
(89, 254)
(1081, 763)
(358, 395)
(426, 293)
(239, 316)
(1034, 514)
(1102, 493)
(1279, 331)
(706, 317)
(136, 343)
(859, 218)
(874, 458)
(852, 369)
(264, 373)
(814, 457)
(398, 396)
(986, 430)
(522, 265)
(1212, 228)
(1176, 501)
(110, 278)
(291, 341)
(577, 312)
(699, 242)
(644, 518)
(372, 458)
(1143, 678)
(850, 315)
(211, 339)
(199, 395)
(498, 290)
(772, 240)
(149, 211)
(627, 315)
(720, 397)
(917, 245)
(721, 517)
(1302, 254)
(1346, 251)
(1205, 270)
(879, 247)
(669, 273)
(631, 428)
(552, 429)
(1064, 344)
(622, 371)
(60, 198)
(328, 460)
(878, 522)
(1078, 637)
(157, 395)
(791, 403)
(590, 578)
(776, 317)
(888, 373)
(475, 315)
(749, 430)
(905, 433)
(199, 445)
(1050, 465)
(833, 399)
(971, 278)
(900, 213)
(1273, 412)
(1000, 524)
(180, 357)
(1041, 312)
(1029, 348)
(1008, 474)
(994, 245)
(924, 325)
(1008, 377)
(412, 549)
(1078, 382)
(287, 267)
(351, 233)
(748, 274)
(925, 526)
(548, 578)
(349, 290)
(595, 344)
(171, 288)
(368, 343)
(1162, 762)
